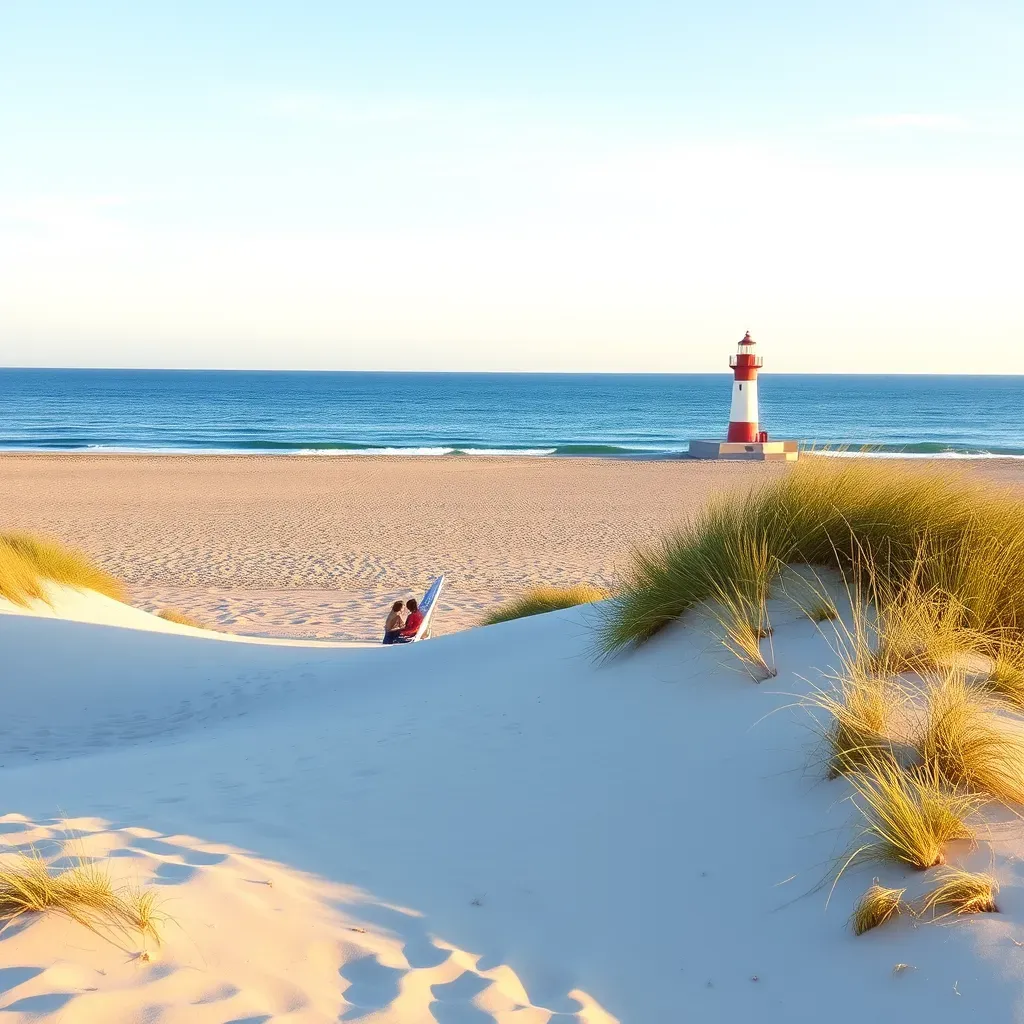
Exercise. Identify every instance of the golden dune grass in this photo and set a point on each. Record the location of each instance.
(944, 533)
(1005, 681)
(877, 906)
(961, 892)
(738, 602)
(84, 893)
(822, 611)
(969, 742)
(181, 618)
(910, 816)
(27, 562)
(860, 711)
(545, 599)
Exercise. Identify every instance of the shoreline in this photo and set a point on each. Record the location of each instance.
(316, 548)
(445, 452)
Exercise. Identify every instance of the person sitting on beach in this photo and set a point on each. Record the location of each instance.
(394, 623)
(412, 623)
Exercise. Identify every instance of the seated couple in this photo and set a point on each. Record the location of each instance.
(399, 627)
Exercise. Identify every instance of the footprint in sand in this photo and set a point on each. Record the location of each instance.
(12, 977)
(36, 1006)
(453, 1000)
(372, 986)
(170, 873)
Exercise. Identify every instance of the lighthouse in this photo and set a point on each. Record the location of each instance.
(743, 414)
(744, 438)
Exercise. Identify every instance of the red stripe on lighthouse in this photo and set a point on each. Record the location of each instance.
(742, 432)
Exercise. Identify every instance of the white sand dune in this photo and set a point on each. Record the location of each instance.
(516, 832)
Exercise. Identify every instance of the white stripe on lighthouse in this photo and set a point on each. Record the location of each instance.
(744, 402)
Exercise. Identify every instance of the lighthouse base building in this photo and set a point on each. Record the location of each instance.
(744, 438)
(755, 451)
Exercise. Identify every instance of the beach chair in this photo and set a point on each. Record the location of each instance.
(427, 607)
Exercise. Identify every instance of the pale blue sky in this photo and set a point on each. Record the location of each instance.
(557, 185)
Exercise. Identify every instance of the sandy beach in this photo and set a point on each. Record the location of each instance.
(315, 547)
(493, 826)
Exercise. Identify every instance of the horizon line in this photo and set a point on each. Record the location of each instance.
(492, 372)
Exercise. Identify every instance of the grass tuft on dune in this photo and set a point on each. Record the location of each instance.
(943, 533)
(1005, 681)
(910, 816)
(84, 893)
(961, 892)
(969, 742)
(860, 711)
(181, 618)
(545, 599)
(27, 562)
(878, 905)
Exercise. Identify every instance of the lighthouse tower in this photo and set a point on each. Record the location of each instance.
(745, 439)
(743, 414)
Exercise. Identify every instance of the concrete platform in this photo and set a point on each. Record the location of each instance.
(757, 451)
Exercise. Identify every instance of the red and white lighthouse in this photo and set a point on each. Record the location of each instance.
(745, 440)
(743, 414)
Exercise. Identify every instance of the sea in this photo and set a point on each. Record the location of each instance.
(537, 414)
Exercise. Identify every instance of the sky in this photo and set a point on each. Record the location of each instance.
(553, 185)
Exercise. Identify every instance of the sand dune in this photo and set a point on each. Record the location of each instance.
(523, 833)
(242, 939)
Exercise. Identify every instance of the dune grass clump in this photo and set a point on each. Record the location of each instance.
(966, 740)
(738, 601)
(27, 562)
(822, 611)
(878, 905)
(961, 892)
(1005, 680)
(545, 599)
(910, 815)
(83, 893)
(181, 618)
(917, 631)
(860, 710)
(945, 533)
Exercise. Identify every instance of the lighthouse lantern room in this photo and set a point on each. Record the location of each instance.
(744, 438)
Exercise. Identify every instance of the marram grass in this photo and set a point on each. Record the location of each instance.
(860, 710)
(1006, 679)
(918, 631)
(738, 604)
(944, 533)
(909, 816)
(822, 611)
(545, 599)
(878, 905)
(969, 743)
(27, 562)
(961, 892)
(84, 893)
(181, 618)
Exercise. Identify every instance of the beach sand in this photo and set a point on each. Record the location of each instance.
(492, 827)
(317, 547)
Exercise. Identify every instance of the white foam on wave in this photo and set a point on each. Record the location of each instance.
(506, 451)
(847, 453)
(370, 451)
(910, 455)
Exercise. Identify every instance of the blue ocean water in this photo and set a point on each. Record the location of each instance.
(545, 414)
